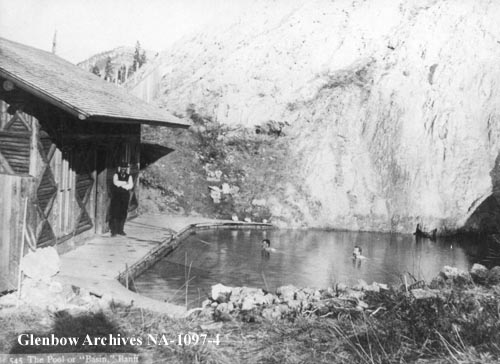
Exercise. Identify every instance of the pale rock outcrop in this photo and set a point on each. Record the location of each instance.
(394, 106)
(42, 264)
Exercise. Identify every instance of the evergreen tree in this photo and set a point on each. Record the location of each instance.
(139, 57)
(108, 70)
(96, 71)
(122, 74)
(143, 58)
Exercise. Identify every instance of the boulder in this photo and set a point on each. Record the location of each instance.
(252, 297)
(207, 313)
(222, 316)
(38, 293)
(283, 308)
(286, 293)
(422, 294)
(248, 304)
(236, 295)
(271, 313)
(322, 308)
(438, 282)
(306, 305)
(294, 304)
(41, 264)
(479, 273)
(382, 286)
(212, 176)
(226, 189)
(215, 194)
(455, 275)
(361, 286)
(206, 303)
(361, 306)
(494, 275)
(225, 308)
(260, 299)
(301, 295)
(358, 295)
(269, 299)
(221, 293)
(374, 287)
(330, 292)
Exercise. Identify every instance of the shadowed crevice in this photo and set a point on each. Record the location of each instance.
(486, 217)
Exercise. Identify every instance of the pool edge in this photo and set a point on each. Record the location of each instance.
(169, 245)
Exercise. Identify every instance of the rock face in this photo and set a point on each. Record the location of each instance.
(393, 106)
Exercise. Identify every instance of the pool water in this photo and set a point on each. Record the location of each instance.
(310, 258)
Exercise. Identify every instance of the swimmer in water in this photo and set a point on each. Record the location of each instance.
(266, 246)
(357, 253)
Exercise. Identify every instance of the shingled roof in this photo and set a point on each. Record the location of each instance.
(75, 90)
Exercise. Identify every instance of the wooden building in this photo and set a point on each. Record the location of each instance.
(63, 131)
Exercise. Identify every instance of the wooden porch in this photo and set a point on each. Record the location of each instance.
(98, 264)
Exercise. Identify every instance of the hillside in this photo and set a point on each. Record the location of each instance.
(122, 59)
(391, 113)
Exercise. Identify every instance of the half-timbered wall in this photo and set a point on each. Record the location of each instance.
(73, 162)
(16, 214)
(17, 188)
(16, 129)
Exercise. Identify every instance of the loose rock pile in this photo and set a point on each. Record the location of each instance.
(253, 304)
(478, 274)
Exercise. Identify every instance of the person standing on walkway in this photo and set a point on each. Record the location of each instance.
(122, 184)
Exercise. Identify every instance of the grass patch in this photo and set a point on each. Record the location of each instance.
(461, 325)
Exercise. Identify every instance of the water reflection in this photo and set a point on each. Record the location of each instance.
(310, 258)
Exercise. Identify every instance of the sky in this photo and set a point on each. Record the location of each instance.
(87, 27)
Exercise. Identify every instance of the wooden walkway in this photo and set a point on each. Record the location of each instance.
(103, 262)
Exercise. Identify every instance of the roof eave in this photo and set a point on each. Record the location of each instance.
(28, 87)
(80, 114)
(121, 120)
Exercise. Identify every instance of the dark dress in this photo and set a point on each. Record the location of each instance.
(119, 206)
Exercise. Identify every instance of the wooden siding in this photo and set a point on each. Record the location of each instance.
(15, 139)
(84, 166)
(13, 194)
(64, 155)
(15, 148)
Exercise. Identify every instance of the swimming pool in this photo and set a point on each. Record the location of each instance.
(311, 258)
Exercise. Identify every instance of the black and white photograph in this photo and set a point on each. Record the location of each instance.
(249, 181)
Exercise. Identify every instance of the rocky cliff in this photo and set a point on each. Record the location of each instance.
(393, 107)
